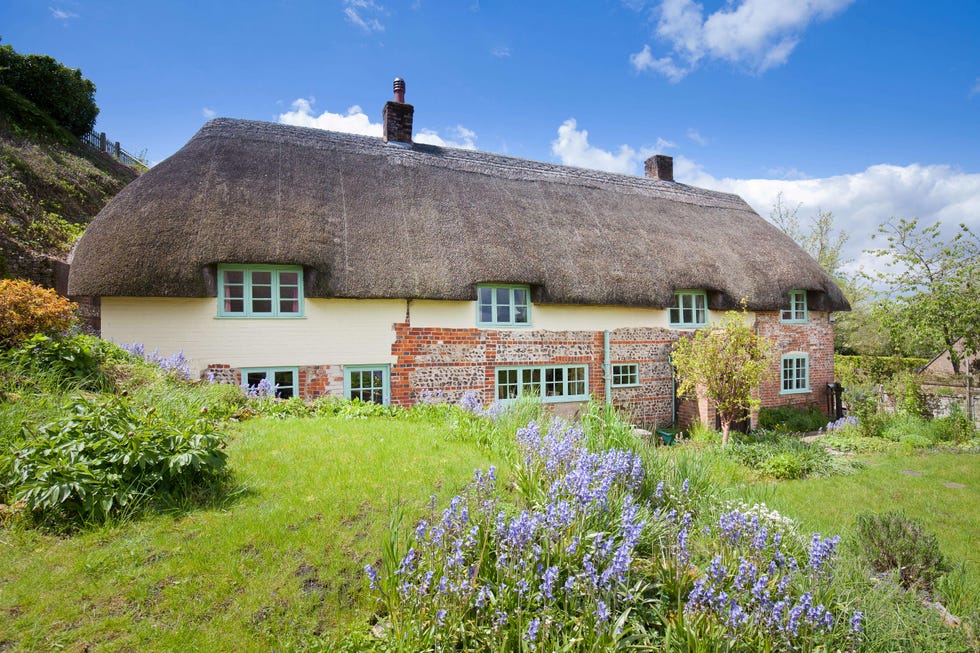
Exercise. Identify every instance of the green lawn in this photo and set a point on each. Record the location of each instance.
(914, 484)
(279, 566)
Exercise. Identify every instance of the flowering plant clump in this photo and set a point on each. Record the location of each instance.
(842, 424)
(555, 572)
(754, 590)
(177, 364)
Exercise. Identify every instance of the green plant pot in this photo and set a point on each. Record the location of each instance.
(666, 437)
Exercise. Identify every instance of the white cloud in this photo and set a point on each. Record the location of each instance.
(62, 14)
(696, 136)
(976, 88)
(460, 137)
(573, 149)
(355, 121)
(365, 14)
(860, 201)
(759, 34)
(208, 113)
(501, 52)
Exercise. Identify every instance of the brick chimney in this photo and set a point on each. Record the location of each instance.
(659, 166)
(397, 116)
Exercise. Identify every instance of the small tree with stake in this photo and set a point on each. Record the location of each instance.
(725, 365)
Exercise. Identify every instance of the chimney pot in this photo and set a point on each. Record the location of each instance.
(659, 166)
(397, 116)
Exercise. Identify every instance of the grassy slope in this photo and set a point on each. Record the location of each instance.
(280, 563)
(51, 185)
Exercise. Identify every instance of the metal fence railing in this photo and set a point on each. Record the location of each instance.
(103, 144)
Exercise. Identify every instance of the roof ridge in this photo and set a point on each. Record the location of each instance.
(473, 160)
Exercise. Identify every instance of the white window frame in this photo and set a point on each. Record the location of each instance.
(552, 383)
(797, 311)
(625, 375)
(248, 286)
(496, 297)
(794, 373)
(686, 302)
(270, 374)
(385, 370)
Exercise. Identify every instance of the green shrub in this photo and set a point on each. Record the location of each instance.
(109, 456)
(956, 427)
(854, 442)
(792, 419)
(890, 541)
(908, 394)
(74, 359)
(26, 309)
(854, 371)
(56, 89)
(786, 457)
(863, 404)
(900, 426)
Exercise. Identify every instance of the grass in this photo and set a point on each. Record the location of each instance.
(278, 565)
(830, 505)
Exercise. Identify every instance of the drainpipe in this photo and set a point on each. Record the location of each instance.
(673, 393)
(607, 366)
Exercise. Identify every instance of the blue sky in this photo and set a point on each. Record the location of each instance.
(865, 108)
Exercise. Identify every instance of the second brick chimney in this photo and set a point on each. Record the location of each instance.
(659, 166)
(397, 116)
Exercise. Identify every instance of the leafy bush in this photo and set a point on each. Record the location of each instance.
(27, 309)
(108, 456)
(74, 358)
(908, 394)
(855, 371)
(890, 541)
(792, 419)
(59, 91)
(854, 442)
(786, 457)
(955, 427)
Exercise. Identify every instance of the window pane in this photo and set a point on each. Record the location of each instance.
(234, 276)
(503, 313)
(520, 314)
(261, 277)
(235, 291)
(289, 278)
(261, 292)
(253, 378)
(234, 306)
(262, 306)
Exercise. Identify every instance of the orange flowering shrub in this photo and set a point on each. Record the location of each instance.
(26, 309)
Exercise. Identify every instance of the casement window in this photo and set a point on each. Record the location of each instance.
(503, 306)
(625, 374)
(690, 309)
(281, 382)
(551, 383)
(260, 291)
(797, 307)
(368, 383)
(795, 376)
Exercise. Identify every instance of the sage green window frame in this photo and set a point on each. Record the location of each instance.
(797, 311)
(274, 375)
(244, 284)
(690, 309)
(503, 305)
(368, 383)
(794, 374)
(552, 383)
(625, 375)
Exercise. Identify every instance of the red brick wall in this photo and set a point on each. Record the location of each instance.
(454, 361)
(815, 338)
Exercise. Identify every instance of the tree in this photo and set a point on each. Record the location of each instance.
(821, 239)
(59, 91)
(931, 294)
(725, 365)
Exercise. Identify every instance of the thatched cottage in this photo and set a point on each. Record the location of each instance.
(379, 268)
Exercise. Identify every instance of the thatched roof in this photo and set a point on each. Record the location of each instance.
(368, 219)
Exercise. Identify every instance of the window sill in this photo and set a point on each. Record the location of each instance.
(260, 317)
(795, 392)
(794, 321)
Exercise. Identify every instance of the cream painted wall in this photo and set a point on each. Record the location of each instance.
(334, 331)
(550, 317)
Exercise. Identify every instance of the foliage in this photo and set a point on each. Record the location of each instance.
(107, 456)
(873, 370)
(26, 309)
(175, 364)
(821, 239)
(60, 91)
(907, 392)
(785, 457)
(891, 541)
(932, 296)
(75, 358)
(792, 419)
(726, 364)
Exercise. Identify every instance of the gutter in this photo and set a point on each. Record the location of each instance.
(607, 366)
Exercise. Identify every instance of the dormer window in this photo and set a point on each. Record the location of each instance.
(503, 306)
(690, 309)
(260, 291)
(797, 307)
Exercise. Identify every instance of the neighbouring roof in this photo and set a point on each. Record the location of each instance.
(368, 219)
